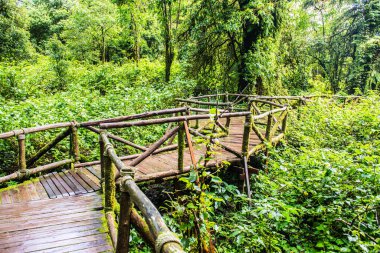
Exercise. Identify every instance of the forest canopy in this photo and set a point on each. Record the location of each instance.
(261, 47)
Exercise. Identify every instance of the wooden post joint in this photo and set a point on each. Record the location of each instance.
(127, 174)
(166, 237)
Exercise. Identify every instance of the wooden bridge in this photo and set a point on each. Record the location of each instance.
(61, 209)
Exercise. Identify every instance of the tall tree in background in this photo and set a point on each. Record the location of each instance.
(257, 22)
(228, 33)
(90, 30)
(342, 34)
(14, 37)
(166, 10)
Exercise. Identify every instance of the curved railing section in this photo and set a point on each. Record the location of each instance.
(265, 116)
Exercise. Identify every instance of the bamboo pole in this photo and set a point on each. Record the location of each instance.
(190, 144)
(202, 102)
(165, 240)
(279, 121)
(246, 134)
(117, 138)
(34, 129)
(110, 217)
(284, 123)
(102, 165)
(74, 145)
(197, 133)
(47, 147)
(181, 145)
(155, 146)
(21, 155)
(257, 131)
(177, 119)
(133, 117)
(109, 180)
(268, 129)
(246, 172)
(267, 102)
(126, 206)
(36, 170)
(49, 166)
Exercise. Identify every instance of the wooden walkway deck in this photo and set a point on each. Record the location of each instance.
(70, 224)
(61, 212)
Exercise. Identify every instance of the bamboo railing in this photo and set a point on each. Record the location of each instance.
(265, 116)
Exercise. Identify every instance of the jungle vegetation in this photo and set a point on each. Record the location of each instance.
(64, 60)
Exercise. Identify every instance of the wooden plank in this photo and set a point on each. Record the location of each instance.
(41, 205)
(58, 219)
(45, 231)
(94, 171)
(63, 183)
(41, 190)
(80, 181)
(26, 216)
(48, 188)
(32, 191)
(91, 176)
(101, 248)
(85, 243)
(23, 192)
(5, 197)
(60, 188)
(74, 185)
(14, 193)
(41, 243)
(91, 183)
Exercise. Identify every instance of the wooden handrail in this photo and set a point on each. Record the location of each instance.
(133, 117)
(171, 119)
(165, 240)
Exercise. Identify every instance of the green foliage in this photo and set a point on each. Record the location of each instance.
(14, 39)
(321, 192)
(90, 30)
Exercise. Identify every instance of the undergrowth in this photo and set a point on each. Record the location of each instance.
(321, 192)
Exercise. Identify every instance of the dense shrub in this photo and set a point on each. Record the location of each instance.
(321, 194)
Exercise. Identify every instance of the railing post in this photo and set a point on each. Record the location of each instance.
(109, 181)
(21, 155)
(245, 148)
(74, 145)
(126, 206)
(268, 129)
(102, 167)
(284, 123)
(181, 145)
(247, 132)
(196, 121)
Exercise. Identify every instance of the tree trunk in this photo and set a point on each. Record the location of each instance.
(136, 46)
(251, 34)
(103, 45)
(169, 53)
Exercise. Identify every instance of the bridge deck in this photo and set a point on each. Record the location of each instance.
(71, 224)
(62, 211)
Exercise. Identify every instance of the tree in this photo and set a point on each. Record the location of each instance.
(341, 41)
(227, 33)
(90, 30)
(46, 19)
(14, 37)
(166, 9)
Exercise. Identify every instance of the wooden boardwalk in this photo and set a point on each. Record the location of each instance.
(165, 164)
(69, 224)
(63, 211)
